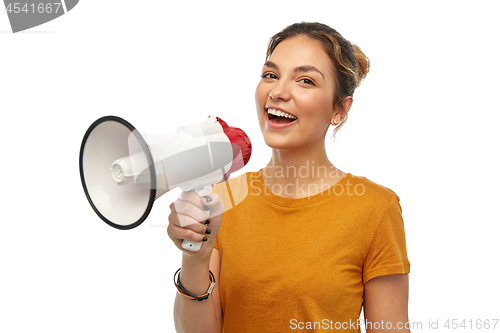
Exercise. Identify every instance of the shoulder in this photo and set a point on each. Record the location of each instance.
(369, 191)
(369, 199)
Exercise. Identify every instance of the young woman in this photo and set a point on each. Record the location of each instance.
(308, 245)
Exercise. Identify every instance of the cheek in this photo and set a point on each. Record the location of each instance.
(260, 96)
(260, 101)
(317, 105)
(317, 112)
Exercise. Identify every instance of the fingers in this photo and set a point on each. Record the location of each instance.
(196, 232)
(192, 208)
(189, 219)
(188, 213)
(179, 233)
(196, 226)
(210, 201)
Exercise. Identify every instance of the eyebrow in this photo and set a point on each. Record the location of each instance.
(303, 68)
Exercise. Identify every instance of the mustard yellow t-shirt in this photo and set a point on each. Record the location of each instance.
(301, 264)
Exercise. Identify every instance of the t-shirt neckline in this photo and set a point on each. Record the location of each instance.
(257, 187)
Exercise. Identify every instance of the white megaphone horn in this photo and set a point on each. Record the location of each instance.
(122, 173)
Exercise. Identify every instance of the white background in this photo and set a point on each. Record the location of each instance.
(423, 124)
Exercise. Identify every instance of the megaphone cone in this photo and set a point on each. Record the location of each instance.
(119, 205)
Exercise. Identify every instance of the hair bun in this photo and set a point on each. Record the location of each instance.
(363, 63)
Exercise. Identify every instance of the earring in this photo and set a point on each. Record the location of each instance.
(335, 121)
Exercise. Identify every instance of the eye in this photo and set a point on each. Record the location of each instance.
(307, 81)
(269, 76)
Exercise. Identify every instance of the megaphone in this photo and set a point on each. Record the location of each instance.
(124, 172)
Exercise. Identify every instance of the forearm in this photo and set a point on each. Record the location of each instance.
(195, 316)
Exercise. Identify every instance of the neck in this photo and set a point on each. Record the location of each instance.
(298, 174)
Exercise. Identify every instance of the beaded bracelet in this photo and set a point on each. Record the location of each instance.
(181, 290)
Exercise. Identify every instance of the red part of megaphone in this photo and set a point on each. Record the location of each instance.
(242, 147)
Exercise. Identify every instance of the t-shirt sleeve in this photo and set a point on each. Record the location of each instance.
(387, 253)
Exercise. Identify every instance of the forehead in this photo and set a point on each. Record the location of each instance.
(299, 51)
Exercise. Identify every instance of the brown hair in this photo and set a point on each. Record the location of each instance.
(350, 63)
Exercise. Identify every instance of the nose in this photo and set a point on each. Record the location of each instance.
(281, 91)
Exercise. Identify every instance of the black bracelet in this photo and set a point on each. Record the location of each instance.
(187, 294)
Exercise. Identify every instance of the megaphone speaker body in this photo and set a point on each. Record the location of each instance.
(123, 174)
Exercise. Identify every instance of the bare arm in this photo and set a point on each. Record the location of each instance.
(193, 316)
(386, 301)
(187, 221)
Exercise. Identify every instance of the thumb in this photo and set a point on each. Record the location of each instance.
(214, 203)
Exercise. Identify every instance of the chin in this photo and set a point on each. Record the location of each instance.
(278, 142)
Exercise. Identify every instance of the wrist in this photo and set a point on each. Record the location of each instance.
(195, 262)
(195, 274)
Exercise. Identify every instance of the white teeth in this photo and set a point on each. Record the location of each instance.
(280, 113)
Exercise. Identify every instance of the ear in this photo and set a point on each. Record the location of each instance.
(340, 113)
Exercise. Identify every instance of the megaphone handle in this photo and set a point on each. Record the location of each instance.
(195, 246)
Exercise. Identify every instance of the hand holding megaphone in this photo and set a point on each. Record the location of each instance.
(195, 219)
(122, 173)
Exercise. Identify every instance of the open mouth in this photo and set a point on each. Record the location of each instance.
(280, 117)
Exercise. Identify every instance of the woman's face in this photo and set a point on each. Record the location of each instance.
(298, 80)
